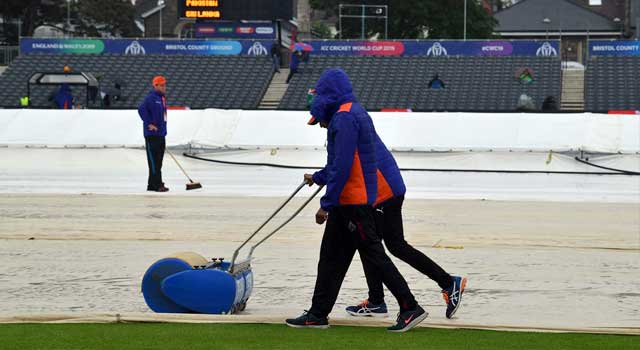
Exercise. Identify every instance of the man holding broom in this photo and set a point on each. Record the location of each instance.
(153, 112)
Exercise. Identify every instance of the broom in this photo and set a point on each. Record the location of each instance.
(192, 185)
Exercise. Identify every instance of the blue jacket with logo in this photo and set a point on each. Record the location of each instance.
(389, 182)
(153, 110)
(350, 172)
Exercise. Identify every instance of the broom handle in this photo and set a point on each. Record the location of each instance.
(179, 166)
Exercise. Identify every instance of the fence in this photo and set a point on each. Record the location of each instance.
(8, 54)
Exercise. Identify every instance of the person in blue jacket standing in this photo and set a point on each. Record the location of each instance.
(293, 65)
(350, 176)
(153, 112)
(64, 98)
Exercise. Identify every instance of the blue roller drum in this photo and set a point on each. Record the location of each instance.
(188, 283)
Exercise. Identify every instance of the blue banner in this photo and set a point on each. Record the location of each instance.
(263, 47)
(436, 48)
(614, 48)
(235, 30)
(146, 46)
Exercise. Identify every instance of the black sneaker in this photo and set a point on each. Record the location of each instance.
(408, 319)
(308, 320)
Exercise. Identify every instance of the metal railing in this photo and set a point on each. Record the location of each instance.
(8, 54)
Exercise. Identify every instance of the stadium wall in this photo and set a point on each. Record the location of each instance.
(288, 130)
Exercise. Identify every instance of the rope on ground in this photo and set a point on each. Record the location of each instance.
(626, 172)
(283, 166)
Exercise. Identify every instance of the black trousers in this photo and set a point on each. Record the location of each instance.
(291, 73)
(388, 217)
(351, 228)
(155, 152)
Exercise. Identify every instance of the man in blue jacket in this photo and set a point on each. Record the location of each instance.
(347, 206)
(64, 98)
(388, 217)
(293, 65)
(153, 112)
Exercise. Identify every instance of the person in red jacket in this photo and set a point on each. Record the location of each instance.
(347, 206)
(153, 112)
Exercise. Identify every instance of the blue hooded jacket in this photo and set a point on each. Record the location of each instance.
(388, 178)
(153, 110)
(390, 183)
(295, 61)
(350, 172)
(64, 98)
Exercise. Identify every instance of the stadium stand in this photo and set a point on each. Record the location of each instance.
(472, 83)
(229, 82)
(611, 83)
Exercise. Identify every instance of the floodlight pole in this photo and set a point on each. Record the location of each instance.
(68, 16)
(465, 20)
(363, 14)
(161, 5)
(340, 20)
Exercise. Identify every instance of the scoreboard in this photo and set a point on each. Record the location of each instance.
(209, 9)
(235, 10)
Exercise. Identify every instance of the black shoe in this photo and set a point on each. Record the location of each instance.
(308, 320)
(409, 319)
(159, 189)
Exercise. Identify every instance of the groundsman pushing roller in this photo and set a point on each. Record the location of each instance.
(347, 206)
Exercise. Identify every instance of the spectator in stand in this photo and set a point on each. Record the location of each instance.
(24, 101)
(525, 104)
(275, 56)
(293, 66)
(526, 77)
(549, 105)
(305, 55)
(436, 83)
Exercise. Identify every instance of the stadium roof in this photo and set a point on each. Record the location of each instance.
(566, 16)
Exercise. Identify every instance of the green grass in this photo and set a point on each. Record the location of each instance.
(252, 336)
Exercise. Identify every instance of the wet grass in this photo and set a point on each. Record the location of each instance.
(260, 336)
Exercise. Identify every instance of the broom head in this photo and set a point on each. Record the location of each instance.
(193, 186)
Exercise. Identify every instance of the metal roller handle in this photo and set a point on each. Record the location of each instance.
(284, 223)
(235, 253)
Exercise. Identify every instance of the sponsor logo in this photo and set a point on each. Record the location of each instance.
(257, 49)
(206, 30)
(437, 50)
(244, 30)
(264, 30)
(408, 319)
(546, 50)
(135, 48)
(493, 48)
